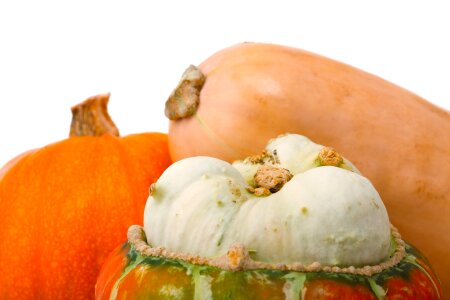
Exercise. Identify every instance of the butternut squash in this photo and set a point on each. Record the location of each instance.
(237, 99)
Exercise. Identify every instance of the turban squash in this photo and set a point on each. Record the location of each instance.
(241, 96)
(297, 222)
(65, 206)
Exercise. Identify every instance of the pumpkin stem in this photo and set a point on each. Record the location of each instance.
(185, 98)
(270, 179)
(91, 118)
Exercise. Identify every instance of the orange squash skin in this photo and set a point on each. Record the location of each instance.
(254, 92)
(67, 205)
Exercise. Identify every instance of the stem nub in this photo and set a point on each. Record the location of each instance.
(270, 179)
(91, 118)
(329, 157)
(184, 100)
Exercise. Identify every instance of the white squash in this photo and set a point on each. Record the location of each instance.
(323, 211)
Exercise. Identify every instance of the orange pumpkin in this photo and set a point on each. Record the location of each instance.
(66, 206)
(244, 95)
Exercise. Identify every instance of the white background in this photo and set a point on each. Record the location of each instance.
(54, 54)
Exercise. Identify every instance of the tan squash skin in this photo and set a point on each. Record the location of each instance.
(254, 92)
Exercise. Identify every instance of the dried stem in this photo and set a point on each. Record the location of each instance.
(184, 100)
(91, 118)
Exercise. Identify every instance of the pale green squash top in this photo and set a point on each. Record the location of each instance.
(326, 214)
